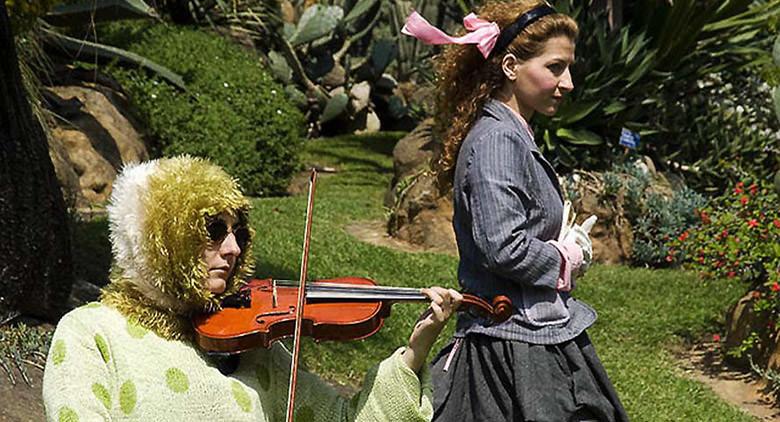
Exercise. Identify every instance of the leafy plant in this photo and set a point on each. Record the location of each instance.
(22, 346)
(662, 219)
(86, 13)
(623, 70)
(233, 111)
(738, 237)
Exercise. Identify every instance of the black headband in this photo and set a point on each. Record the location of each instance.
(510, 32)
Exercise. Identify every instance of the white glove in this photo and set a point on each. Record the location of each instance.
(579, 234)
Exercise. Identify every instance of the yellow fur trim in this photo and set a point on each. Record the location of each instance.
(181, 193)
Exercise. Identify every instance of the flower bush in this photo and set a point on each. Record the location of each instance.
(660, 221)
(737, 237)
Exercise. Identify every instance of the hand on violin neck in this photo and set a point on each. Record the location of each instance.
(444, 302)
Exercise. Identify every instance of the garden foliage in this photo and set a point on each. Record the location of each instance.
(233, 112)
(737, 236)
(656, 213)
(631, 75)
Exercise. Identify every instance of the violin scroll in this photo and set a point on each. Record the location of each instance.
(499, 311)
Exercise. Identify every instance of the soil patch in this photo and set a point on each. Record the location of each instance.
(375, 233)
(744, 389)
(21, 402)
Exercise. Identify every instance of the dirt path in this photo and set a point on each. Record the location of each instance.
(703, 363)
(21, 402)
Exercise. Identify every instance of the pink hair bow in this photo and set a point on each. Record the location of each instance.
(483, 33)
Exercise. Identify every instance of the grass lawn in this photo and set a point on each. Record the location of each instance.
(642, 313)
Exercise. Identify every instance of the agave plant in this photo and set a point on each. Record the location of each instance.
(621, 70)
(89, 12)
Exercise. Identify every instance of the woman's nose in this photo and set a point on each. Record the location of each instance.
(229, 246)
(566, 84)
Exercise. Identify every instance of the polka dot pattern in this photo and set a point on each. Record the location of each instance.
(127, 397)
(241, 397)
(58, 352)
(136, 331)
(102, 347)
(67, 415)
(177, 380)
(101, 393)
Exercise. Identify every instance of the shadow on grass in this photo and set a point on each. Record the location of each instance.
(91, 250)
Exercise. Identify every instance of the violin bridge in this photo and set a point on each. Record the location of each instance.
(273, 295)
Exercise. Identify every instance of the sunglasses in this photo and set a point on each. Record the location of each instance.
(218, 230)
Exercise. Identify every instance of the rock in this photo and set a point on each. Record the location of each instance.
(337, 76)
(94, 143)
(361, 96)
(741, 321)
(373, 124)
(611, 236)
(288, 12)
(420, 214)
(83, 292)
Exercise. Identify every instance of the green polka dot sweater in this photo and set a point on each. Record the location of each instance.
(102, 367)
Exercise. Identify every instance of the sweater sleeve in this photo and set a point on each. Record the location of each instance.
(499, 198)
(391, 391)
(77, 379)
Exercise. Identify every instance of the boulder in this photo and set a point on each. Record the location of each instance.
(93, 142)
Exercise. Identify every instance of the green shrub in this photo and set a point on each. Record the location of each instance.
(737, 237)
(233, 111)
(722, 129)
(655, 213)
(662, 219)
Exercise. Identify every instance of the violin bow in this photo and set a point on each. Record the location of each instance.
(301, 299)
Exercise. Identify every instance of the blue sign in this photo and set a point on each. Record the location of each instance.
(629, 139)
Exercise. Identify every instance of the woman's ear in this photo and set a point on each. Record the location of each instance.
(509, 66)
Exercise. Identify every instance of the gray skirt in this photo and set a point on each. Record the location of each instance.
(490, 379)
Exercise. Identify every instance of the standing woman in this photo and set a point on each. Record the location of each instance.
(540, 364)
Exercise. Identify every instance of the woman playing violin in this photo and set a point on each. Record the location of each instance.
(181, 243)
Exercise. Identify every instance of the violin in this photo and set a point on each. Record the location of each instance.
(337, 309)
(347, 308)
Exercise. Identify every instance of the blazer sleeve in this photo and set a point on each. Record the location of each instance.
(499, 198)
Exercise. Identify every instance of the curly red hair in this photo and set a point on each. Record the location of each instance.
(466, 80)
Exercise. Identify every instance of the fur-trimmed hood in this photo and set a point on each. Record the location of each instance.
(157, 221)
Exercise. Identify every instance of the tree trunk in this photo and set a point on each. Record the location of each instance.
(36, 271)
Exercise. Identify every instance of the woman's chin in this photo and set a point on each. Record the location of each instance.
(216, 285)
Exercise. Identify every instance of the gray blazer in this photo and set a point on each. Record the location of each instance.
(508, 204)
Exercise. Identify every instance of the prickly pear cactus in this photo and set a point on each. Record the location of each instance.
(316, 22)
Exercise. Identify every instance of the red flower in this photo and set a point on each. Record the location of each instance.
(753, 189)
(701, 260)
(775, 287)
(752, 223)
(724, 234)
(743, 200)
(731, 274)
(776, 222)
(739, 187)
(705, 218)
(683, 236)
(669, 258)
(716, 338)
